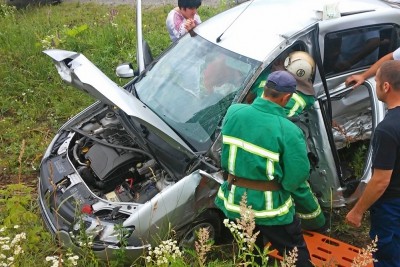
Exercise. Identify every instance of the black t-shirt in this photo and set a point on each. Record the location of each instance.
(386, 150)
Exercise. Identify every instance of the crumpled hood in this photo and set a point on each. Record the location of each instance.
(75, 69)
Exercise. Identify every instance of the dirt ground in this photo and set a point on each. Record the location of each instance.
(29, 180)
(358, 237)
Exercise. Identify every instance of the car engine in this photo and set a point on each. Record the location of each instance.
(112, 164)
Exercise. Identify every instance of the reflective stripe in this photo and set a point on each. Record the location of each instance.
(249, 147)
(299, 102)
(270, 156)
(232, 159)
(309, 216)
(313, 214)
(282, 210)
(293, 110)
(231, 194)
(270, 169)
(268, 200)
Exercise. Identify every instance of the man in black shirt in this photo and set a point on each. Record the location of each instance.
(382, 193)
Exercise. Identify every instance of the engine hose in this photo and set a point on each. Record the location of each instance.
(111, 145)
(85, 173)
(75, 151)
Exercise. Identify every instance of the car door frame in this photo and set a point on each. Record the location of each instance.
(336, 87)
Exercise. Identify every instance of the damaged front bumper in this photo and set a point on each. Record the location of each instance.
(79, 219)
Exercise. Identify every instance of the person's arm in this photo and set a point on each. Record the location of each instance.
(250, 97)
(374, 190)
(294, 160)
(191, 23)
(358, 79)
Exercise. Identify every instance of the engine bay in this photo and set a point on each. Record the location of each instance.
(112, 164)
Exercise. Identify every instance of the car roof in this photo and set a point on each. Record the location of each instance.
(255, 28)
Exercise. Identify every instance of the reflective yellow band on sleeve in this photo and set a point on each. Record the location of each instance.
(249, 147)
(299, 102)
(310, 216)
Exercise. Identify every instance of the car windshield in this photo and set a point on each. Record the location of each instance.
(192, 86)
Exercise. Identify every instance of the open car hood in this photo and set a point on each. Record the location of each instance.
(75, 69)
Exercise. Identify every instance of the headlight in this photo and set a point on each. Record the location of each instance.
(89, 230)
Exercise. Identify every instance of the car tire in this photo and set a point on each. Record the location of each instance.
(209, 219)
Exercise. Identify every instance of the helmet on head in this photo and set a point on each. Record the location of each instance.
(301, 65)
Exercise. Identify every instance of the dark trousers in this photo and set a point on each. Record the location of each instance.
(385, 223)
(285, 238)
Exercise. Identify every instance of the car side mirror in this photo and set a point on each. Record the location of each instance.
(125, 70)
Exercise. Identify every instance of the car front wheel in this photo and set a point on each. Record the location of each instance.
(210, 220)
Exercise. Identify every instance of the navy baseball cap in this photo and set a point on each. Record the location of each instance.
(282, 81)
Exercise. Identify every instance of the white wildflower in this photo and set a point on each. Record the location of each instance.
(18, 250)
(73, 260)
(50, 258)
(5, 247)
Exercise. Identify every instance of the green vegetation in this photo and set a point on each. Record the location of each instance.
(353, 158)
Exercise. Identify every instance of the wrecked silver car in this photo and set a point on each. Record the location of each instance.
(145, 157)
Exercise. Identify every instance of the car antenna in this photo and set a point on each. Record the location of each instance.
(219, 37)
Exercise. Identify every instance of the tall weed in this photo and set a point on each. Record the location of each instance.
(20, 222)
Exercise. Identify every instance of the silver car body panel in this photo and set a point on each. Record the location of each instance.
(255, 28)
(84, 75)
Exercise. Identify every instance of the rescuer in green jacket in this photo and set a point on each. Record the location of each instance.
(302, 66)
(267, 160)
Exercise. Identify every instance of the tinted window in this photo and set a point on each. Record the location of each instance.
(358, 48)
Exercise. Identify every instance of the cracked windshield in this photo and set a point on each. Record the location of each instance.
(192, 86)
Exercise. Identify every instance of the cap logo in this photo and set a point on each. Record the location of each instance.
(300, 72)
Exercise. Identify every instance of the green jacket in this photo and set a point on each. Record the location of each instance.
(260, 143)
(307, 206)
(297, 103)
